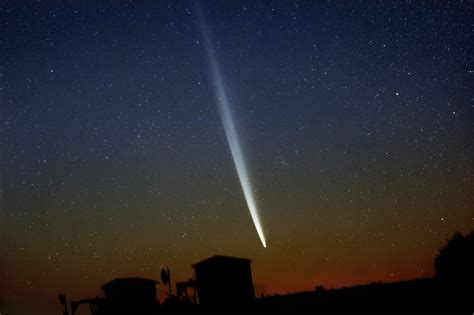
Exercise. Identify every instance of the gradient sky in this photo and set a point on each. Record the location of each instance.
(356, 121)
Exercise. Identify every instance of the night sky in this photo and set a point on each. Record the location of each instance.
(356, 122)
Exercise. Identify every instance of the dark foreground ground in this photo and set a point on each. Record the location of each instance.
(420, 295)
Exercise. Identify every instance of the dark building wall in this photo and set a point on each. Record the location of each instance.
(131, 294)
(224, 281)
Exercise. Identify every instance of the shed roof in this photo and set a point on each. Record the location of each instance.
(122, 281)
(220, 259)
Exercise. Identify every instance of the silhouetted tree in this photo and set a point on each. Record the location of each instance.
(319, 289)
(454, 264)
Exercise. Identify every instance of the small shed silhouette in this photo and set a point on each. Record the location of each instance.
(224, 281)
(136, 295)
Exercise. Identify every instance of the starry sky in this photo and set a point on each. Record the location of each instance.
(356, 121)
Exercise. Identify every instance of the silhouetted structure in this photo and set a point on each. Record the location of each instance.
(166, 279)
(63, 301)
(131, 296)
(224, 281)
(95, 305)
(182, 288)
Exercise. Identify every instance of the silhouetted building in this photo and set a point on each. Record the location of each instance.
(131, 295)
(224, 281)
(182, 291)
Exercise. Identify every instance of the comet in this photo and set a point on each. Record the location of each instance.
(230, 129)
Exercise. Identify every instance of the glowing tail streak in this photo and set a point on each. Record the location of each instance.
(231, 132)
